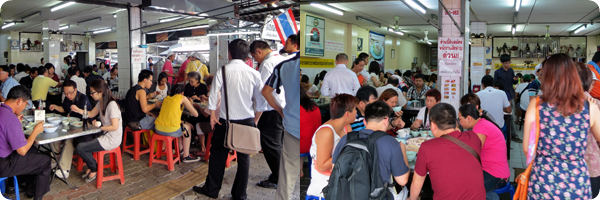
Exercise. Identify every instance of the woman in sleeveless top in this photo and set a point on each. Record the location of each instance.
(168, 122)
(343, 109)
(161, 86)
(592, 151)
(565, 117)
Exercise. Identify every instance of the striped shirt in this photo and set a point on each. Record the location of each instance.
(287, 75)
(359, 122)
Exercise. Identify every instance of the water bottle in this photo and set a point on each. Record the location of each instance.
(85, 117)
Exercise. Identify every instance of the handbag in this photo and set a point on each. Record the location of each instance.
(135, 126)
(238, 137)
(464, 146)
(523, 178)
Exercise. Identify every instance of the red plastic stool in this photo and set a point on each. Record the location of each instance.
(115, 163)
(79, 162)
(230, 156)
(207, 152)
(171, 158)
(136, 143)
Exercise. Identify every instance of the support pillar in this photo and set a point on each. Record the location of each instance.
(453, 50)
(126, 40)
(52, 45)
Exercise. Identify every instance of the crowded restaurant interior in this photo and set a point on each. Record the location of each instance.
(455, 86)
(140, 99)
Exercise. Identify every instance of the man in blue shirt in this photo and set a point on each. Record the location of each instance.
(390, 161)
(506, 75)
(7, 84)
(287, 75)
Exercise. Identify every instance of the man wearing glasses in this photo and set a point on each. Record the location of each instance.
(72, 98)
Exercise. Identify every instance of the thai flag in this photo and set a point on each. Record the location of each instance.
(285, 25)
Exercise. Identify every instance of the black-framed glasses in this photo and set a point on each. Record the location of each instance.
(92, 93)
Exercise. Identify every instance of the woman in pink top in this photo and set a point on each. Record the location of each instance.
(493, 152)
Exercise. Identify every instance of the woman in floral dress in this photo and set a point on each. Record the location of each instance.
(559, 169)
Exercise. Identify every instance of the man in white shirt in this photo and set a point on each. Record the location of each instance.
(364, 71)
(522, 94)
(494, 101)
(23, 71)
(81, 84)
(271, 122)
(243, 85)
(340, 80)
(393, 83)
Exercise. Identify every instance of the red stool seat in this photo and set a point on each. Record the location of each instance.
(134, 148)
(78, 162)
(115, 163)
(230, 157)
(171, 157)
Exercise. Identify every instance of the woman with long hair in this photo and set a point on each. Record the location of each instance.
(325, 139)
(319, 79)
(112, 127)
(161, 87)
(168, 122)
(310, 120)
(432, 81)
(407, 76)
(383, 78)
(102, 69)
(565, 117)
(311, 90)
(374, 70)
(493, 151)
(473, 99)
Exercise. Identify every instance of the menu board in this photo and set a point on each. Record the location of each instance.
(450, 88)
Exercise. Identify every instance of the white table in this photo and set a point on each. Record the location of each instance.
(59, 135)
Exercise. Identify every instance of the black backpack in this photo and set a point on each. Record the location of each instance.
(355, 175)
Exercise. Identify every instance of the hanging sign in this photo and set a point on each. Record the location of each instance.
(450, 55)
(269, 32)
(138, 55)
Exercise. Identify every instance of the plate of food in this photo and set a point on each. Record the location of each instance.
(153, 100)
(49, 115)
(71, 119)
(77, 124)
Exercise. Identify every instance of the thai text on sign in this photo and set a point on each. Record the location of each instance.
(138, 55)
(450, 48)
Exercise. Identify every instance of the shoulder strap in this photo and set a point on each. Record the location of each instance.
(225, 91)
(463, 145)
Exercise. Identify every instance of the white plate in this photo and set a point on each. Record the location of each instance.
(77, 124)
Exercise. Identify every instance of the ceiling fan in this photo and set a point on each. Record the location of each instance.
(426, 40)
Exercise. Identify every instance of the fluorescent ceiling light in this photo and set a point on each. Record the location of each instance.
(168, 19)
(8, 25)
(33, 15)
(359, 18)
(45, 28)
(415, 5)
(336, 6)
(102, 30)
(580, 28)
(120, 10)
(517, 5)
(90, 20)
(234, 33)
(514, 29)
(428, 42)
(397, 32)
(179, 29)
(64, 27)
(61, 6)
(114, 15)
(327, 8)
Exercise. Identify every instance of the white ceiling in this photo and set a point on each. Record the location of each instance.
(562, 16)
(17, 9)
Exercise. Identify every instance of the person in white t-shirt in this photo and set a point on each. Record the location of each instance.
(432, 97)
(311, 89)
(493, 100)
(522, 94)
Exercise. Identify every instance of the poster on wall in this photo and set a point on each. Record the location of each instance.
(314, 37)
(450, 88)
(359, 44)
(376, 42)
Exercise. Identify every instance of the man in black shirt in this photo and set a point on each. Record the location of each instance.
(28, 80)
(72, 98)
(137, 109)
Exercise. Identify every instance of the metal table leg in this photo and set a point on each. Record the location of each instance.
(56, 156)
